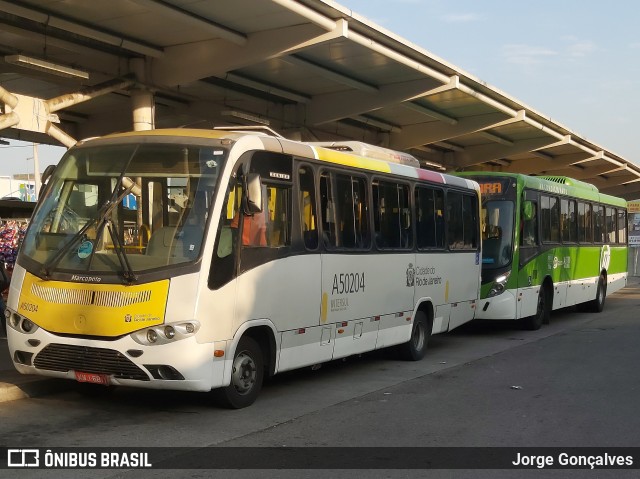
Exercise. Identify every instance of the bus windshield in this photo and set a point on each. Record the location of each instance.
(124, 208)
(497, 233)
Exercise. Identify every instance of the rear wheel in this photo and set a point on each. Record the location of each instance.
(416, 347)
(597, 305)
(246, 376)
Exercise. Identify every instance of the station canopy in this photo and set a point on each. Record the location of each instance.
(312, 70)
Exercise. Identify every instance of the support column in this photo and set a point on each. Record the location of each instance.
(143, 110)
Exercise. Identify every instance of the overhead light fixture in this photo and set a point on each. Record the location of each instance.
(245, 116)
(46, 66)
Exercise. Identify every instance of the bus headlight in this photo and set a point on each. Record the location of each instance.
(20, 323)
(499, 284)
(152, 336)
(165, 333)
(169, 332)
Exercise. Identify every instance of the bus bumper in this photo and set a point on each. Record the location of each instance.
(184, 365)
(500, 307)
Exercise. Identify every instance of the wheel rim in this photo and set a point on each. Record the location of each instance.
(419, 336)
(244, 374)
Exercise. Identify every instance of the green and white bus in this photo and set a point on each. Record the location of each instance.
(548, 243)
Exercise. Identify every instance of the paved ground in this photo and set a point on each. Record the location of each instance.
(577, 386)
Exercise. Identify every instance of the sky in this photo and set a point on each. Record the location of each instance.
(574, 61)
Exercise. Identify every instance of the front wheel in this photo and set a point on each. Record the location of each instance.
(416, 347)
(535, 322)
(597, 305)
(246, 376)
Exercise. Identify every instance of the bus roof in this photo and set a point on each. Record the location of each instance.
(561, 185)
(309, 150)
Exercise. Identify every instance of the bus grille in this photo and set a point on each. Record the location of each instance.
(86, 297)
(66, 357)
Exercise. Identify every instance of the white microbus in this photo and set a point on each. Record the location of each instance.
(199, 260)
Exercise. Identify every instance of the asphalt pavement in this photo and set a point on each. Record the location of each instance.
(14, 385)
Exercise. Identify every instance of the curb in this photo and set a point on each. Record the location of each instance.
(14, 385)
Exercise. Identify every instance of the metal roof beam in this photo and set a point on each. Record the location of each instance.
(340, 31)
(331, 74)
(431, 132)
(272, 90)
(435, 114)
(345, 104)
(580, 173)
(194, 61)
(629, 190)
(495, 138)
(367, 120)
(183, 16)
(80, 29)
(604, 181)
(476, 155)
(545, 162)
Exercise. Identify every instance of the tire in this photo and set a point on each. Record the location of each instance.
(597, 305)
(416, 347)
(543, 311)
(246, 377)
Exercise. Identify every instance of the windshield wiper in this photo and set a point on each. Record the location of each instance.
(98, 221)
(129, 276)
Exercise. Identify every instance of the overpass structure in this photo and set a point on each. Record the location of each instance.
(312, 70)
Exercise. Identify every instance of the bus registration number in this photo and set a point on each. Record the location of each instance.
(92, 378)
(348, 283)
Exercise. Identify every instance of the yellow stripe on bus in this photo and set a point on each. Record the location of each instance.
(346, 159)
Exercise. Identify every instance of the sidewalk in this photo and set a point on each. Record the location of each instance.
(14, 385)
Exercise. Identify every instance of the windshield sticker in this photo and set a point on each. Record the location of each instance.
(85, 249)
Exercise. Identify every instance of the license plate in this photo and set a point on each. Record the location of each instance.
(92, 378)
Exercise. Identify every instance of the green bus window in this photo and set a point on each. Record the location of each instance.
(568, 220)
(529, 236)
(550, 210)
(599, 230)
(610, 223)
(622, 226)
(584, 223)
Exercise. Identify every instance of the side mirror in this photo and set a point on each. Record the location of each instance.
(527, 210)
(46, 174)
(253, 194)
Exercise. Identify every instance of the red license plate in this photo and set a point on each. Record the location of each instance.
(92, 378)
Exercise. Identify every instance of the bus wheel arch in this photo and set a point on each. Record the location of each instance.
(416, 348)
(543, 308)
(253, 360)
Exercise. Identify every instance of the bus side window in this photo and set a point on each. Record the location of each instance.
(307, 204)
(529, 236)
(622, 227)
(455, 229)
(223, 263)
